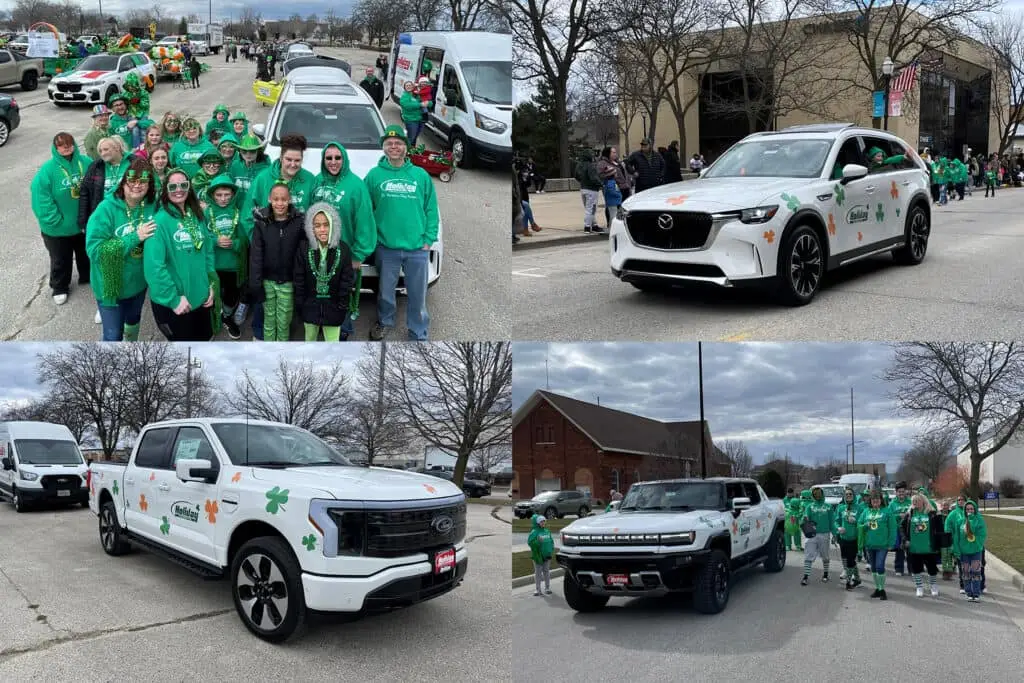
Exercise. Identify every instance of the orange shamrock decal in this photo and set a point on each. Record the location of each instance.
(152, 476)
(831, 225)
(757, 524)
(429, 488)
(735, 527)
(894, 191)
(143, 505)
(769, 236)
(237, 477)
(211, 511)
(860, 237)
(676, 201)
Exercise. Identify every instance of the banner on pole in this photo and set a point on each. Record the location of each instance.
(895, 104)
(878, 101)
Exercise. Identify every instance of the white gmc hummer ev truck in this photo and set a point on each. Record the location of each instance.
(291, 523)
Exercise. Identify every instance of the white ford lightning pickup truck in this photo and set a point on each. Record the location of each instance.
(290, 522)
(673, 536)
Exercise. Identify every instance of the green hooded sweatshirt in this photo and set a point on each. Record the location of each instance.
(112, 243)
(301, 187)
(412, 108)
(956, 513)
(201, 180)
(119, 126)
(347, 193)
(185, 155)
(974, 542)
(542, 546)
(795, 508)
(244, 174)
(404, 205)
(213, 124)
(898, 507)
(55, 191)
(226, 222)
(238, 116)
(886, 161)
(175, 264)
(819, 512)
(112, 175)
(878, 528)
(921, 533)
(231, 139)
(847, 514)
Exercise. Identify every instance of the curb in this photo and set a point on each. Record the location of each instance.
(527, 580)
(1015, 576)
(494, 513)
(527, 245)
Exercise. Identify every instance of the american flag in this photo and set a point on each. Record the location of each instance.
(904, 80)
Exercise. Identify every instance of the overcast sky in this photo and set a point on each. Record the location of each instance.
(223, 10)
(790, 398)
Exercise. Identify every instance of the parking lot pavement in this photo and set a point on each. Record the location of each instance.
(471, 301)
(774, 630)
(68, 612)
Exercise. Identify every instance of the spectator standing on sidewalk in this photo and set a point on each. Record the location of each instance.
(538, 180)
(523, 182)
(590, 188)
(542, 549)
(696, 163)
(646, 166)
(517, 209)
(673, 164)
(609, 166)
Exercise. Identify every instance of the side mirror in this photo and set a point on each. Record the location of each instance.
(259, 130)
(8, 463)
(196, 470)
(615, 505)
(740, 504)
(853, 172)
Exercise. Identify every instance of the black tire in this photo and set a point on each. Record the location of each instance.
(265, 572)
(712, 585)
(775, 560)
(551, 513)
(918, 230)
(579, 599)
(801, 266)
(5, 132)
(17, 501)
(110, 531)
(460, 150)
(583, 511)
(30, 81)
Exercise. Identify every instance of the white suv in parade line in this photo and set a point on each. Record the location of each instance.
(778, 209)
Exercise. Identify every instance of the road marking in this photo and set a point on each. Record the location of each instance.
(742, 336)
(528, 273)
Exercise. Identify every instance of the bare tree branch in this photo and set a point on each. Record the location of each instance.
(739, 457)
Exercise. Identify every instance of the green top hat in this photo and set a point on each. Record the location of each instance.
(238, 116)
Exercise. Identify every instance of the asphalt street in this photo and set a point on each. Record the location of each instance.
(968, 288)
(69, 612)
(469, 302)
(774, 630)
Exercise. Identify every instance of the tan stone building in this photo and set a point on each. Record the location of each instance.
(952, 104)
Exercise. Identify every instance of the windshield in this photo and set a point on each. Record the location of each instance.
(489, 82)
(279, 445)
(833, 491)
(197, 36)
(772, 158)
(354, 126)
(47, 452)
(99, 63)
(673, 496)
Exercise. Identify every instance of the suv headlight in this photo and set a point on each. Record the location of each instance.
(27, 476)
(682, 538)
(489, 124)
(760, 214)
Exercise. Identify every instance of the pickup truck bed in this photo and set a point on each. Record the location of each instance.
(17, 69)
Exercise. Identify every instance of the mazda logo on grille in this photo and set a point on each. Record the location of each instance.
(665, 221)
(442, 524)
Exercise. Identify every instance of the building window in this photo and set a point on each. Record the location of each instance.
(546, 435)
(540, 435)
(615, 480)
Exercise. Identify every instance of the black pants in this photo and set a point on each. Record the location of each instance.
(195, 80)
(935, 192)
(192, 326)
(66, 252)
(918, 562)
(230, 292)
(539, 182)
(992, 188)
(848, 551)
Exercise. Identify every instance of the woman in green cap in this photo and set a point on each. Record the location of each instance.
(185, 152)
(239, 125)
(228, 148)
(211, 165)
(229, 255)
(114, 240)
(219, 120)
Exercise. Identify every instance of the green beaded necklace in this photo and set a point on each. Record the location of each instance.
(323, 276)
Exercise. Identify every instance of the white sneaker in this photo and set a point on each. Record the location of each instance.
(97, 319)
(935, 592)
(842, 576)
(920, 592)
(60, 299)
(963, 592)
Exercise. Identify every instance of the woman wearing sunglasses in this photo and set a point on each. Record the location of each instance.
(179, 264)
(114, 240)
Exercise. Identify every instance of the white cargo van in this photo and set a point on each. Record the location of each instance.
(471, 74)
(40, 462)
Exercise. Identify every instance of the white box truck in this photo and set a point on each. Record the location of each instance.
(206, 39)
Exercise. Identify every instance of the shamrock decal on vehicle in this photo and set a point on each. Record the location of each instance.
(897, 212)
(211, 511)
(429, 488)
(894, 191)
(165, 528)
(880, 213)
(831, 225)
(143, 503)
(277, 498)
(236, 477)
(840, 194)
(769, 236)
(860, 237)
(152, 476)
(792, 203)
(676, 201)
(309, 542)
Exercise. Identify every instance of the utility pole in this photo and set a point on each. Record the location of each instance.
(189, 364)
(853, 443)
(703, 441)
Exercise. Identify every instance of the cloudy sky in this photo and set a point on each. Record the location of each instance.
(223, 10)
(789, 398)
(222, 362)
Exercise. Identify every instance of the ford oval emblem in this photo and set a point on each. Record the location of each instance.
(665, 221)
(442, 524)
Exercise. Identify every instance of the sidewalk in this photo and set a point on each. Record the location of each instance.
(560, 214)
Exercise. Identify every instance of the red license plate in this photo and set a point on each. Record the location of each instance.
(617, 580)
(444, 561)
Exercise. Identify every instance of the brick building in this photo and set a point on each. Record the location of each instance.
(562, 443)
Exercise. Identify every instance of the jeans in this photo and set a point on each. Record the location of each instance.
(527, 216)
(589, 198)
(257, 321)
(138, 135)
(876, 558)
(125, 312)
(416, 265)
(347, 326)
(66, 252)
(971, 564)
(942, 193)
(412, 129)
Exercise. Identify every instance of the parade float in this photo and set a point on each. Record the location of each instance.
(169, 61)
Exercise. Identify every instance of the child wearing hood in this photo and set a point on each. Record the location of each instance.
(323, 274)
(542, 549)
(219, 120)
(846, 530)
(822, 516)
(239, 124)
(969, 535)
(794, 510)
(229, 257)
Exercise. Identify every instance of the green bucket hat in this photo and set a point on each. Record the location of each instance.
(394, 131)
(250, 143)
(228, 139)
(221, 180)
(238, 116)
(211, 157)
(221, 108)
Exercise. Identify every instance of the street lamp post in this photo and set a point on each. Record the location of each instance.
(887, 66)
(643, 117)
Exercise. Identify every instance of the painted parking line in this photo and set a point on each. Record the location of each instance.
(529, 272)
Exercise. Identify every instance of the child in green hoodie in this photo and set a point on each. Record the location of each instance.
(211, 165)
(969, 535)
(219, 120)
(877, 534)
(229, 254)
(228, 148)
(542, 549)
(186, 151)
(846, 531)
(249, 163)
(239, 124)
(822, 515)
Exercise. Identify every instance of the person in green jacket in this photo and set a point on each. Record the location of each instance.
(114, 240)
(412, 112)
(921, 527)
(228, 148)
(137, 100)
(878, 159)
(877, 534)
(249, 163)
(542, 549)
(822, 516)
(239, 125)
(121, 121)
(229, 254)
(219, 120)
(847, 513)
(969, 535)
(959, 178)
(179, 265)
(170, 126)
(991, 177)
(794, 510)
(100, 129)
(340, 187)
(186, 151)
(405, 209)
(55, 190)
(900, 508)
(211, 165)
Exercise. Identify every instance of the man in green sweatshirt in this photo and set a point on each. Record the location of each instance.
(346, 192)
(121, 122)
(822, 516)
(185, 153)
(877, 530)
(408, 222)
(900, 507)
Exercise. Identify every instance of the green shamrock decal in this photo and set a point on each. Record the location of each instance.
(309, 542)
(840, 194)
(165, 528)
(114, 488)
(897, 212)
(791, 202)
(880, 214)
(277, 499)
